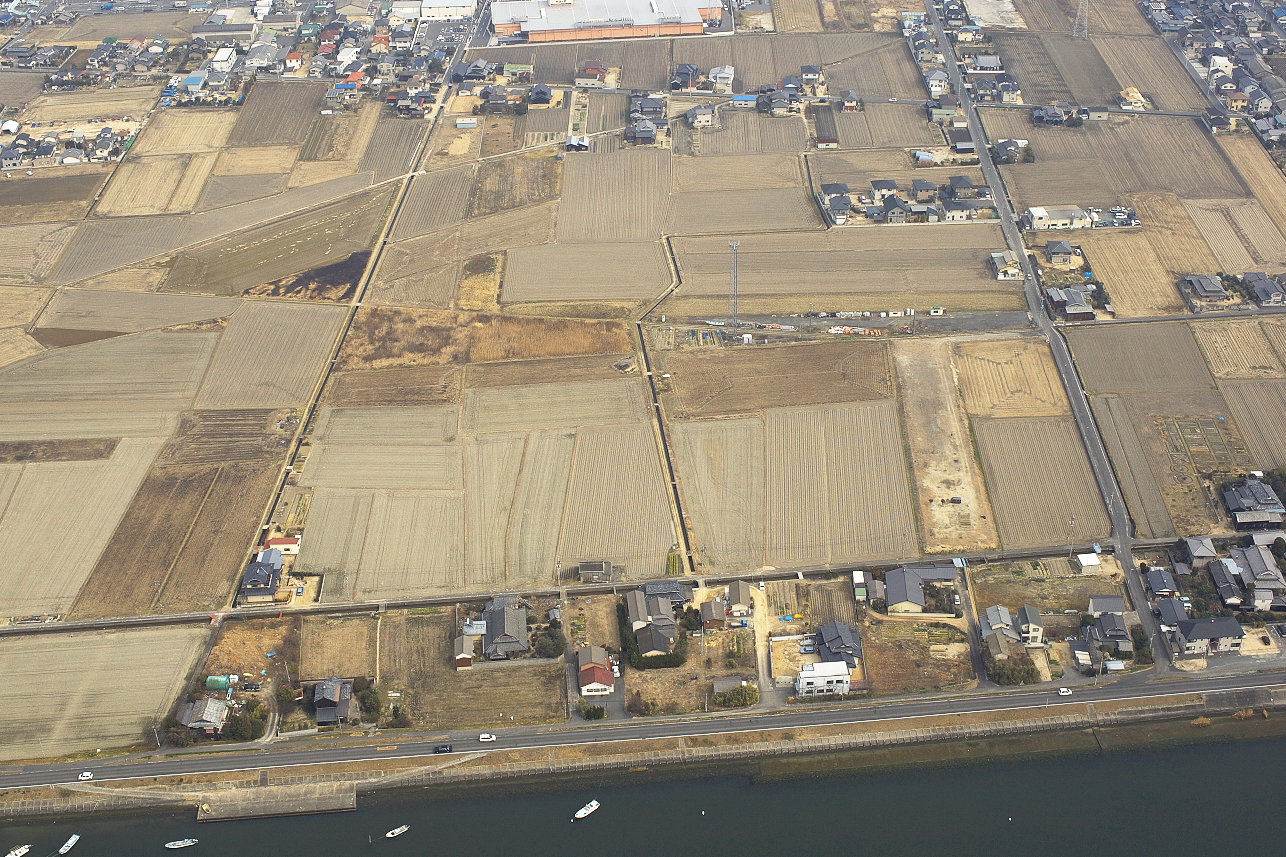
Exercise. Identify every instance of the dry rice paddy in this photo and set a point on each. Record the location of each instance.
(28, 252)
(129, 312)
(255, 160)
(598, 188)
(602, 271)
(1152, 358)
(73, 107)
(1239, 232)
(1010, 378)
(160, 184)
(1040, 481)
(1259, 410)
(184, 132)
(1238, 349)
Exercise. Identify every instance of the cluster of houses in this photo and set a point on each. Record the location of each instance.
(960, 200)
(1226, 42)
(648, 118)
(927, 54)
(20, 149)
(27, 55)
(689, 78)
(1005, 635)
(1206, 291)
(650, 612)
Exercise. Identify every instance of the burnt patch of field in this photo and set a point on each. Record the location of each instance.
(506, 183)
(34, 451)
(334, 282)
(61, 337)
(383, 337)
(209, 437)
(725, 382)
(182, 542)
(404, 387)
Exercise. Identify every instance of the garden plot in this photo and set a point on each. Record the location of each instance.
(63, 709)
(602, 271)
(129, 312)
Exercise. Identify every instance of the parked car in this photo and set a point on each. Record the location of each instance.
(442, 748)
(486, 737)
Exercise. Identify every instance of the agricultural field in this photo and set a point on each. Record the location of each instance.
(514, 182)
(43, 502)
(415, 658)
(53, 716)
(161, 184)
(128, 312)
(1057, 67)
(19, 305)
(1148, 64)
(1238, 349)
(393, 149)
(329, 233)
(882, 125)
(19, 87)
(186, 132)
(1106, 16)
(877, 65)
(1174, 238)
(877, 267)
(915, 657)
(1153, 358)
(939, 442)
(221, 191)
(598, 188)
(278, 114)
(1134, 473)
(1019, 454)
(505, 488)
(718, 212)
(337, 646)
(747, 133)
(570, 272)
(723, 382)
(818, 511)
(1102, 163)
(27, 252)
(1240, 233)
(750, 172)
(89, 30)
(1139, 280)
(435, 201)
(1259, 410)
(74, 108)
(270, 355)
(1261, 175)
(796, 16)
(16, 345)
(63, 197)
(1010, 378)
(255, 160)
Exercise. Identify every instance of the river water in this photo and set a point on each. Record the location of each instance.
(1144, 802)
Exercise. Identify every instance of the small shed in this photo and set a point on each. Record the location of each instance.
(463, 658)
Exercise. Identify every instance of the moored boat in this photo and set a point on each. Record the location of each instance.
(587, 809)
(397, 831)
(19, 851)
(181, 843)
(70, 843)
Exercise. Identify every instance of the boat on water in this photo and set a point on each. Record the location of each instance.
(19, 851)
(181, 843)
(587, 809)
(397, 831)
(70, 843)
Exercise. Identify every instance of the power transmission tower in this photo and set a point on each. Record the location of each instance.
(1081, 29)
(734, 286)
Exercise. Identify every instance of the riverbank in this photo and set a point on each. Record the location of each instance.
(769, 754)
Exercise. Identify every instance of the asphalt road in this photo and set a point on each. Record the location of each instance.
(1085, 423)
(282, 756)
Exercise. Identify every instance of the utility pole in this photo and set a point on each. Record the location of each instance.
(734, 286)
(1081, 29)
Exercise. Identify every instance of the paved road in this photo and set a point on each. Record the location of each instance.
(399, 747)
(1085, 423)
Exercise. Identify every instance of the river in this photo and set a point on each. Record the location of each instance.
(1141, 802)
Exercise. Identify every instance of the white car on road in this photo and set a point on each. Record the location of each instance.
(85, 776)
(486, 736)
(1064, 691)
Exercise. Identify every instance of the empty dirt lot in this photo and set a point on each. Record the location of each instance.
(914, 657)
(415, 656)
(726, 382)
(342, 646)
(1045, 584)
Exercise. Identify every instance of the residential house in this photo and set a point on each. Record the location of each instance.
(506, 634)
(849, 102)
(1170, 612)
(261, 581)
(1042, 218)
(740, 598)
(1226, 576)
(1200, 548)
(677, 593)
(636, 609)
(722, 77)
(1254, 505)
(714, 615)
(652, 640)
(206, 716)
(1110, 630)
(1062, 255)
(1007, 266)
(839, 641)
(686, 77)
(998, 620)
(836, 202)
(1214, 635)
(1162, 582)
(904, 586)
(332, 699)
(1260, 576)
(1101, 605)
(701, 116)
(963, 187)
(594, 671)
(595, 571)
(1131, 99)
(923, 190)
(882, 189)
(1204, 287)
(1268, 291)
(938, 82)
(462, 658)
(1072, 303)
(1029, 626)
(642, 132)
(541, 93)
(827, 678)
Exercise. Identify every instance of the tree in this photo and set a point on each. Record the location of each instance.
(179, 736)
(1012, 671)
(243, 726)
(551, 642)
(593, 712)
(371, 703)
(400, 718)
(739, 697)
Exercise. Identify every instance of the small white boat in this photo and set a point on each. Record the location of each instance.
(181, 843)
(587, 809)
(69, 844)
(397, 831)
(19, 851)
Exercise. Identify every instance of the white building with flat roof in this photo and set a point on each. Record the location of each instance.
(824, 679)
(576, 20)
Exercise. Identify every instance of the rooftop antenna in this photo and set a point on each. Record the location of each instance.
(1081, 29)
(734, 286)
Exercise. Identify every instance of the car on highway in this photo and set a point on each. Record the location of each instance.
(1064, 691)
(85, 776)
(442, 748)
(486, 737)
